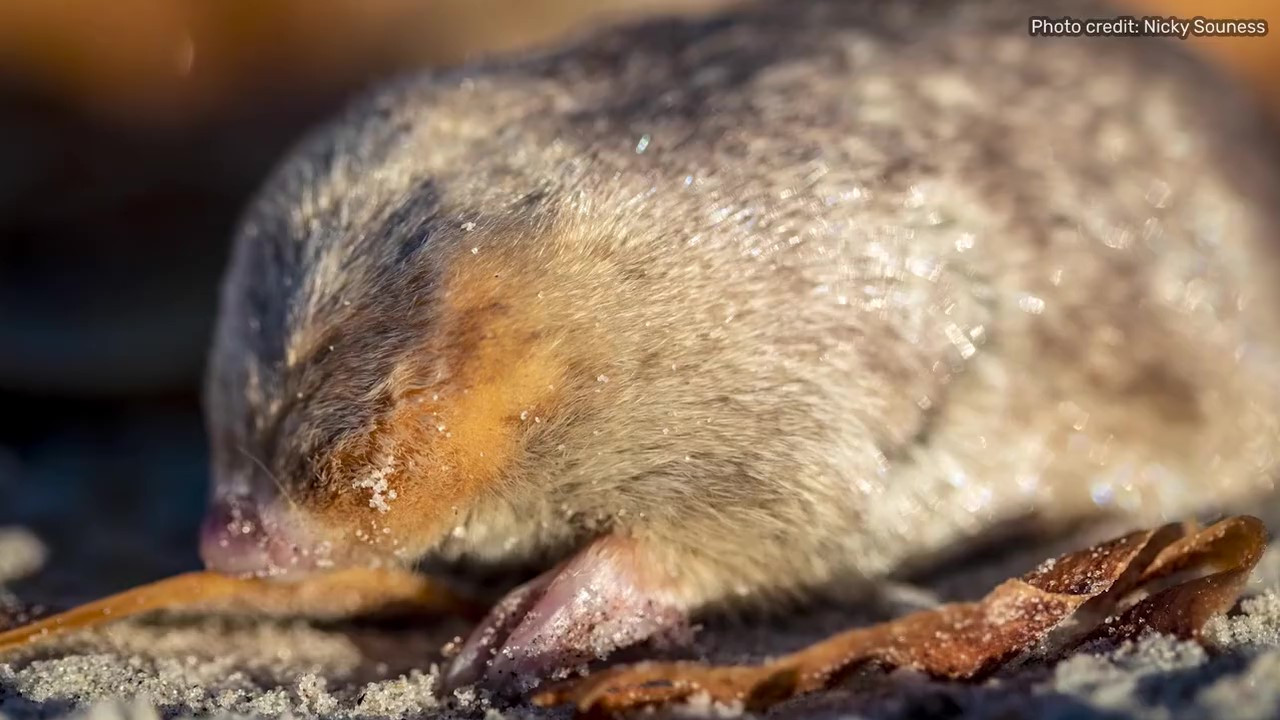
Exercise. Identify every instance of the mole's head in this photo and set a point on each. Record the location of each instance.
(360, 397)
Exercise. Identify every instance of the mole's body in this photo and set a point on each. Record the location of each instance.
(740, 308)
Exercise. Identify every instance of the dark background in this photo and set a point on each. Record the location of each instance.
(131, 133)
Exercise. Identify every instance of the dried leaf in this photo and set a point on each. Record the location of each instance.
(1039, 615)
(331, 595)
(1231, 547)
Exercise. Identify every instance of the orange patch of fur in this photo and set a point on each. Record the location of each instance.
(453, 442)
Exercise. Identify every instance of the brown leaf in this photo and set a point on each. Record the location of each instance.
(1038, 615)
(330, 595)
(1231, 547)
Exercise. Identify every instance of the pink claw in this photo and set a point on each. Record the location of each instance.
(603, 599)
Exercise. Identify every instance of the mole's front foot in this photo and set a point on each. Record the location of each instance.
(608, 596)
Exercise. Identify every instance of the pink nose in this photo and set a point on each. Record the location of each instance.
(235, 539)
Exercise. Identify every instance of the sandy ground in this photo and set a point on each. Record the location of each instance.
(178, 666)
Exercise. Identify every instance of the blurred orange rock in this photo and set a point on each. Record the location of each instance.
(173, 58)
(1256, 59)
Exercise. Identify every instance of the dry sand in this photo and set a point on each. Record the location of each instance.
(179, 666)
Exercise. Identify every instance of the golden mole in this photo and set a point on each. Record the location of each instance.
(724, 311)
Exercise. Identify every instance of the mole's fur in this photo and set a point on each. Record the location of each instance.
(743, 307)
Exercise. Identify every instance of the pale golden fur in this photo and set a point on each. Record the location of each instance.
(792, 297)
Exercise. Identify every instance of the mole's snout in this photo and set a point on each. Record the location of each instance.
(238, 538)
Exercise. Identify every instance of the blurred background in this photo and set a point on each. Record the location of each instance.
(131, 133)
